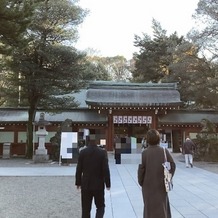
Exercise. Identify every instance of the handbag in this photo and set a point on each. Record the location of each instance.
(141, 174)
(168, 180)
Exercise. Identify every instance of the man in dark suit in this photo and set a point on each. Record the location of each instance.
(92, 175)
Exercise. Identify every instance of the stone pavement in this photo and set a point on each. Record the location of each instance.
(195, 193)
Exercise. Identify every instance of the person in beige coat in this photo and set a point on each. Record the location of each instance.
(151, 178)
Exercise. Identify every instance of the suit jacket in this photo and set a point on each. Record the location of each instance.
(92, 171)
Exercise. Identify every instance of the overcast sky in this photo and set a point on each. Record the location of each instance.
(111, 24)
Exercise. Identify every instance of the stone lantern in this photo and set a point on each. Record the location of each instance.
(41, 152)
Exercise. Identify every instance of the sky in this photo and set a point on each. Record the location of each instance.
(110, 26)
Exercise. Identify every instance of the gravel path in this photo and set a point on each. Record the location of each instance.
(39, 197)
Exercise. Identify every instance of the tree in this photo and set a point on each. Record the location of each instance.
(195, 77)
(109, 68)
(97, 67)
(155, 55)
(207, 142)
(175, 59)
(205, 32)
(43, 66)
(118, 68)
(15, 16)
(205, 36)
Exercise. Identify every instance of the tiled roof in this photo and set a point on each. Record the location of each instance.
(77, 116)
(79, 98)
(9, 115)
(188, 117)
(132, 94)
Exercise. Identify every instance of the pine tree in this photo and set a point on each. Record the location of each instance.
(44, 66)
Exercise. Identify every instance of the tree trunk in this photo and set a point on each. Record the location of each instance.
(31, 119)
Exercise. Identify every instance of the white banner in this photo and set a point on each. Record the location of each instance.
(132, 119)
(67, 140)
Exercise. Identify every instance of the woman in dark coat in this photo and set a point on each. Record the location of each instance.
(151, 178)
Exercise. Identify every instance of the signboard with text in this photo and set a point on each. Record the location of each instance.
(132, 119)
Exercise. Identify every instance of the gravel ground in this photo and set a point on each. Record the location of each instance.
(39, 197)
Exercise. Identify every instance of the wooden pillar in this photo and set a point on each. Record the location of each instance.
(110, 133)
(16, 135)
(155, 121)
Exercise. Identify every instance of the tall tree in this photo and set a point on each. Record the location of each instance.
(205, 33)
(155, 55)
(193, 75)
(118, 68)
(205, 36)
(15, 16)
(175, 59)
(110, 68)
(43, 68)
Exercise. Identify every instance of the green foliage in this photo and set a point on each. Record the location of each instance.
(44, 75)
(96, 68)
(43, 66)
(207, 147)
(155, 55)
(15, 16)
(207, 142)
(206, 39)
(175, 59)
(194, 76)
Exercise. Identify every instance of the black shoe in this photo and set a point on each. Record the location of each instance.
(191, 165)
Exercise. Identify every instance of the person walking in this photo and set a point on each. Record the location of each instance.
(92, 175)
(188, 151)
(151, 178)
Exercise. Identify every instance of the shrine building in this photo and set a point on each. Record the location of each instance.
(110, 110)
